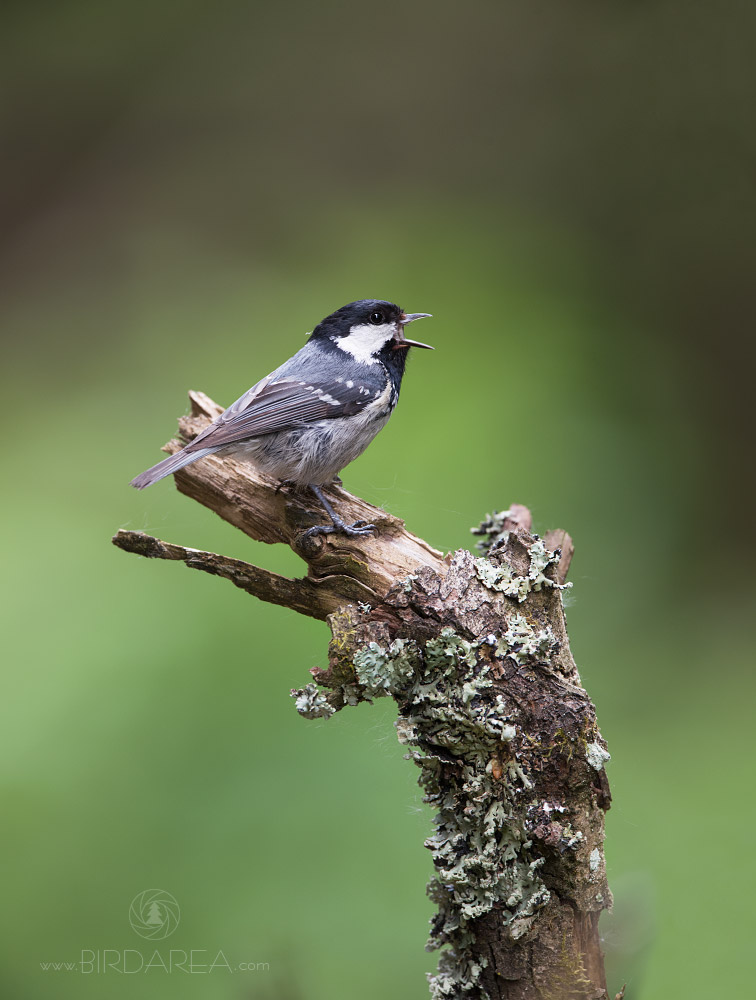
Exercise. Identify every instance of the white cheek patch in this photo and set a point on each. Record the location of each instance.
(365, 339)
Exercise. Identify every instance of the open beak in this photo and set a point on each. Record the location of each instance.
(401, 340)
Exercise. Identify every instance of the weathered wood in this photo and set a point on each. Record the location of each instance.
(305, 596)
(475, 652)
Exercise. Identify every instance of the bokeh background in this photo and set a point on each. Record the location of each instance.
(187, 189)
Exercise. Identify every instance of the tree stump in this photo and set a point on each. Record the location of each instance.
(475, 653)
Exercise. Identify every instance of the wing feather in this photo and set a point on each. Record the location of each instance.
(273, 406)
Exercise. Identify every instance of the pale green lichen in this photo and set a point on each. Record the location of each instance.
(385, 671)
(540, 559)
(453, 972)
(516, 773)
(570, 838)
(595, 859)
(502, 577)
(521, 641)
(448, 651)
(597, 756)
(482, 848)
(311, 703)
(492, 529)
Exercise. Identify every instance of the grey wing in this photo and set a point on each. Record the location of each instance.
(283, 404)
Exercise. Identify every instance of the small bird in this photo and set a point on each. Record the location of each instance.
(316, 413)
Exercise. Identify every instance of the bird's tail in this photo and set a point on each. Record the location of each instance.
(169, 465)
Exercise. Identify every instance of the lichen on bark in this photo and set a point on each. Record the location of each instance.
(491, 710)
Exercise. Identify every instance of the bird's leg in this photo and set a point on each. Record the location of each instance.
(358, 528)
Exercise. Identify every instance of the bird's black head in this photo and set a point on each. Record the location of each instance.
(367, 329)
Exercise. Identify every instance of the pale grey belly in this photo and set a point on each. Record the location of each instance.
(312, 454)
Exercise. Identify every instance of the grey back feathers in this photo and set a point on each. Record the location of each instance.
(319, 410)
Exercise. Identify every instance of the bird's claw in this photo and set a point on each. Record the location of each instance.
(318, 529)
(358, 528)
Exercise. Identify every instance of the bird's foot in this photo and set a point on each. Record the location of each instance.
(339, 527)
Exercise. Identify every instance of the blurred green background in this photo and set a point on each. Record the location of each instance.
(187, 189)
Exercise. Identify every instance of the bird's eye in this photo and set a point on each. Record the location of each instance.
(377, 318)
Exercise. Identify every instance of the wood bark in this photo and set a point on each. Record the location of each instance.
(475, 652)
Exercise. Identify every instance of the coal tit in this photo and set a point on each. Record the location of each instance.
(316, 413)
